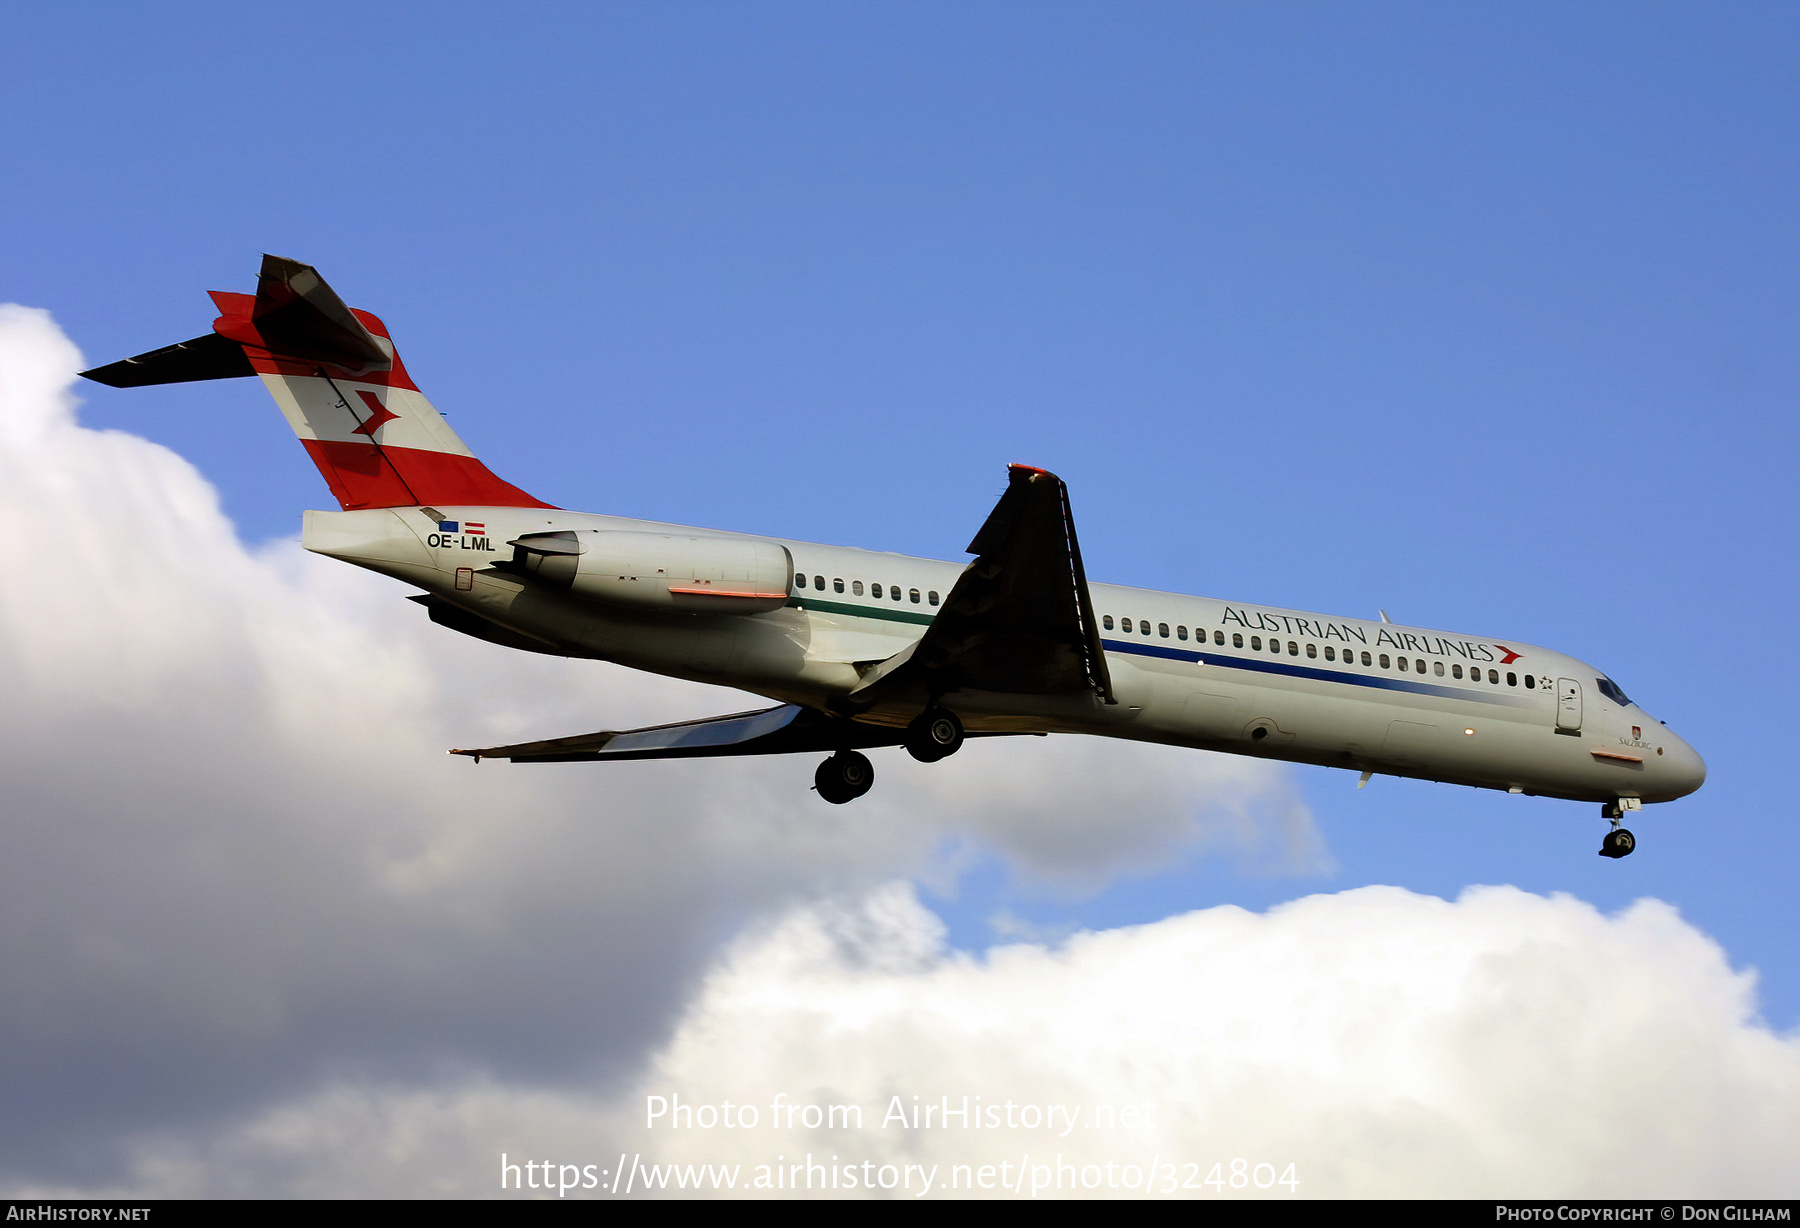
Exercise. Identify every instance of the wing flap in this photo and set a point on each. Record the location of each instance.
(787, 729)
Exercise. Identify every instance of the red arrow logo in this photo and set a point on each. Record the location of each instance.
(1510, 657)
(379, 416)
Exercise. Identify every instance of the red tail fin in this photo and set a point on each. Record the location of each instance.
(335, 374)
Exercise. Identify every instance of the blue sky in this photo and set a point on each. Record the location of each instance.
(1481, 314)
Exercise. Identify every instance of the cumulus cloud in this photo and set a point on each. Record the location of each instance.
(1367, 1044)
(1382, 1042)
(236, 866)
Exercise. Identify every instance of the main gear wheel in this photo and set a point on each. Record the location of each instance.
(934, 734)
(844, 777)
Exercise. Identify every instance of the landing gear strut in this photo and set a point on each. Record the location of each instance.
(844, 777)
(1618, 841)
(934, 734)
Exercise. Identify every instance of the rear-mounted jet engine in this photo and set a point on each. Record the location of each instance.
(660, 571)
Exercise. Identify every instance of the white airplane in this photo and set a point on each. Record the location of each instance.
(862, 649)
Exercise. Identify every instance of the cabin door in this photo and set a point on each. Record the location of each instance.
(1568, 705)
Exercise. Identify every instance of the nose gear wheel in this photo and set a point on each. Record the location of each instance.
(1619, 842)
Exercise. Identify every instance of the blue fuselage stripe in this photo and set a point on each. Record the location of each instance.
(1283, 668)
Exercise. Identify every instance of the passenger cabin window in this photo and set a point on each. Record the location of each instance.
(1293, 649)
(1418, 667)
(837, 584)
(1384, 660)
(1256, 642)
(932, 597)
(1144, 625)
(1530, 682)
(1494, 676)
(1330, 653)
(1237, 640)
(1219, 638)
(1312, 650)
(1512, 679)
(1456, 671)
(1162, 629)
(1181, 633)
(819, 583)
(1124, 624)
(913, 596)
(1366, 661)
(856, 587)
(1107, 622)
(1437, 667)
(800, 579)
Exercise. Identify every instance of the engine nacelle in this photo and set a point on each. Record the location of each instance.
(661, 571)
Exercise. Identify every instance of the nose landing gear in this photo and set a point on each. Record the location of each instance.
(844, 777)
(1618, 842)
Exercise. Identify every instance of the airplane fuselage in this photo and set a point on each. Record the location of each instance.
(1371, 697)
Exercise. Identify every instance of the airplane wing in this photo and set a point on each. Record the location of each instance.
(1019, 620)
(782, 730)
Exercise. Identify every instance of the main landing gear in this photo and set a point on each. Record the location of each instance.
(1618, 841)
(934, 734)
(844, 777)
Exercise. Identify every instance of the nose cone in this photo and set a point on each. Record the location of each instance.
(1680, 769)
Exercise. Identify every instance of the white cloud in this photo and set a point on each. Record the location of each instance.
(1383, 1043)
(236, 864)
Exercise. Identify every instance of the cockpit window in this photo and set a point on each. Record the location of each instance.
(1611, 690)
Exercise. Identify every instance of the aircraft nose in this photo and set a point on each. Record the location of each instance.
(1683, 770)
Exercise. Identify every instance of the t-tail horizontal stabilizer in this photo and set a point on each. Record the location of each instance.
(294, 315)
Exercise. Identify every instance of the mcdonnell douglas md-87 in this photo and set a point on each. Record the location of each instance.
(861, 649)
